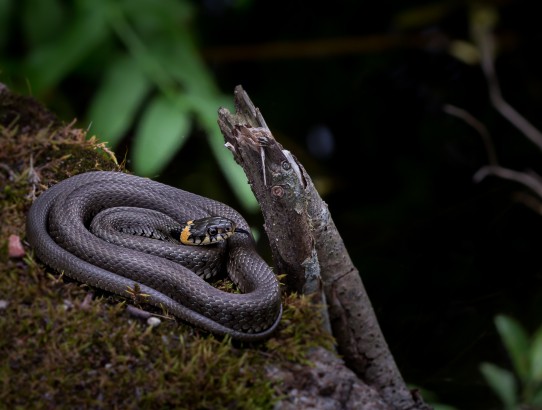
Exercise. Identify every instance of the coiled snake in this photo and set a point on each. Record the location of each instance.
(58, 230)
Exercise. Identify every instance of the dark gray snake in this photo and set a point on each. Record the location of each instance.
(58, 231)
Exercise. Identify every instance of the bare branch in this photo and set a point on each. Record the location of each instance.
(531, 181)
(478, 126)
(481, 26)
(529, 201)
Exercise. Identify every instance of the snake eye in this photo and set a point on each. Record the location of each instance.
(212, 231)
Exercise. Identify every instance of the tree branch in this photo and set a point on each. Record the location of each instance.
(482, 24)
(483, 20)
(307, 247)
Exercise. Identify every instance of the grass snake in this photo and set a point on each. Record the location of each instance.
(58, 229)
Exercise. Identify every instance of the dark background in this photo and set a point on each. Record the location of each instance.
(439, 254)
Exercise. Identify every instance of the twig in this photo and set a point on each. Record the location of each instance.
(481, 31)
(478, 126)
(531, 181)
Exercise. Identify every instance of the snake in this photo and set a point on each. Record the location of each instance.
(127, 234)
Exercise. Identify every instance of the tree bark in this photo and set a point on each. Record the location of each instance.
(307, 247)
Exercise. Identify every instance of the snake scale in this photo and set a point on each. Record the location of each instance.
(58, 231)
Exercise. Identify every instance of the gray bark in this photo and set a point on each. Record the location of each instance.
(307, 247)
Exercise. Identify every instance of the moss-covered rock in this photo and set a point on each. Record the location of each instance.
(65, 345)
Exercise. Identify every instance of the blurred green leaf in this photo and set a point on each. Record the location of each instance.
(537, 398)
(232, 171)
(484, 16)
(502, 382)
(160, 134)
(464, 51)
(242, 4)
(41, 19)
(167, 26)
(51, 62)
(422, 15)
(516, 342)
(115, 104)
(5, 14)
(536, 356)
(150, 16)
(430, 398)
(186, 65)
(140, 52)
(206, 109)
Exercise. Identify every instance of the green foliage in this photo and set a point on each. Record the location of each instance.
(118, 98)
(502, 382)
(143, 58)
(526, 356)
(161, 118)
(5, 9)
(516, 341)
(431, 398)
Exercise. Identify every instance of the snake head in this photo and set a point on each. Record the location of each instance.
(207, 231)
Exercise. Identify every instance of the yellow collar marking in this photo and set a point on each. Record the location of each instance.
(185, 233)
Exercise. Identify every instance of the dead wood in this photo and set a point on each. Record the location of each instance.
(307, 247)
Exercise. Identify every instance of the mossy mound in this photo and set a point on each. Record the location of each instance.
(65, 345)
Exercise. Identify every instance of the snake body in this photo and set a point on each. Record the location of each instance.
(58, 230)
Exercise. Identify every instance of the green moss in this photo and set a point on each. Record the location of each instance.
(61, 348)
